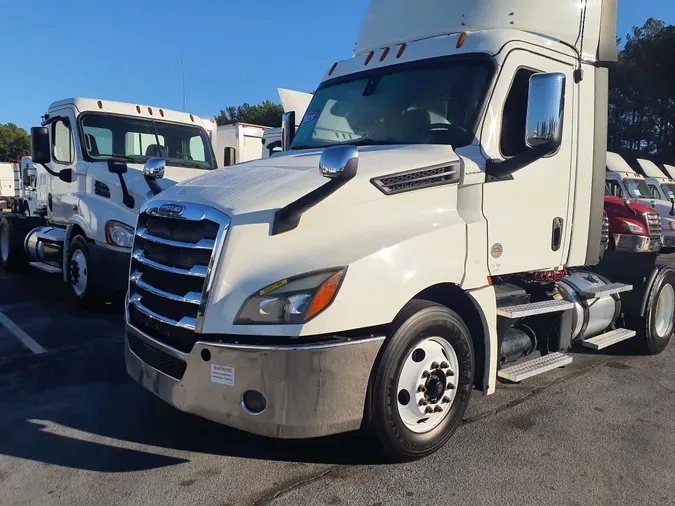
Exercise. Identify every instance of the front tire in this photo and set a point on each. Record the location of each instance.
(422, 382)
(80, 273)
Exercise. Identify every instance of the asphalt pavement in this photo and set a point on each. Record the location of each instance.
(74, 430)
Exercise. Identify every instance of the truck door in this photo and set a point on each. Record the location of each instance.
(528, 216)
(59, 201)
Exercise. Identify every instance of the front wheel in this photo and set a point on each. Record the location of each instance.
(80, 272)
(422, 382)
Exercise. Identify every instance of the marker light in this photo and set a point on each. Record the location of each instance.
(462, 39)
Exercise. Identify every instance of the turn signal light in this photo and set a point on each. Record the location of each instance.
(324, 296)
(462, 39)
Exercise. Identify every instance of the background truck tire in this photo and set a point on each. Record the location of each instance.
(390, 416)
(81, 274)
(655, 329)
(13, 230)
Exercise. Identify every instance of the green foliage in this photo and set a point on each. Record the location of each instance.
(14, 142)
(642, 93)
(265, 114)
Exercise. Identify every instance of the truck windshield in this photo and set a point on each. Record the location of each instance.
(428, 103)
(668, 189)
(637, 188)
(137, 140)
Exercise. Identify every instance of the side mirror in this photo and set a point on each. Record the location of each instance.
(154, 168)
(229, 156)
(545, 110)
(339, 162)
(287, 130)
(40, 147)
(117, 166)
(67, 175)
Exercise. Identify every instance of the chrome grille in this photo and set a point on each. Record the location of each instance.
(174, 251)
(654, 224)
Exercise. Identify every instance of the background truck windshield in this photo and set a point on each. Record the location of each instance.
(637, 188)
(434, 103)
(668, 189)
(137, 140)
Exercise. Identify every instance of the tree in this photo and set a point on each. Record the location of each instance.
(266, 114)
(14, 142)
(642, 94)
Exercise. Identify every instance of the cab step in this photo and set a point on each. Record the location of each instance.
(533, 308)
(51, 269)
(608, 339)
(604, 291)
(534, 367)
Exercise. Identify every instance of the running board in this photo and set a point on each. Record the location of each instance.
(603, 291)
(534, 308)
(51, 269)
(534, 367)
(608, 339)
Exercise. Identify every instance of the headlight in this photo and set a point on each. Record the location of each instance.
(293, 300)
(671, 224)
(633, 228)
(119, 234)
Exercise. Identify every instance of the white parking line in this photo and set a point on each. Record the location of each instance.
(25, 339)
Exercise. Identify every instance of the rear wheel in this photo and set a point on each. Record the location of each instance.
(656, 328)
(422, 383)
(13, 231)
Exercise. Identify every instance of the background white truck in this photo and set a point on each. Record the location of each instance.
(435, 226)
(104, 159)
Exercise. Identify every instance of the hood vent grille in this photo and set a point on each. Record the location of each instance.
(417, 179)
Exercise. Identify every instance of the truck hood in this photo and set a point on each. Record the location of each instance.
(275, 182)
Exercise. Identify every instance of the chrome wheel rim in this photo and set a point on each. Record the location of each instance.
(665, 311)
(4, 244)
(427, 384)
(78, 272)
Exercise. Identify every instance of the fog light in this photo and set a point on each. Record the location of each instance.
(253, 402)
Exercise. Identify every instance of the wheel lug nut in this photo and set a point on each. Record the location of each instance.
(423, 402)
(429, 410)
(449, 373)
(450, 386)
(425, 374)
(444, 365)
(434, 365)
(446, 400)
(438, 409)
(421, 389)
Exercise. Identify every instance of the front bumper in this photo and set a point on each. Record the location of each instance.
(310, 391)
(112, 267)
(636, 243)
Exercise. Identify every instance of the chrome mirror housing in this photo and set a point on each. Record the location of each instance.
(545, 108)
(154, 168)
(339, 162)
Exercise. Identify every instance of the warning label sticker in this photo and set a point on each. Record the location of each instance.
(222, 374)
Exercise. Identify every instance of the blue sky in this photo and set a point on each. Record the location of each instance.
(234, 51)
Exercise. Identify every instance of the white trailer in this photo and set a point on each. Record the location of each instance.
(98, 162)
(237, 143)
(435, 226)
(8, 185)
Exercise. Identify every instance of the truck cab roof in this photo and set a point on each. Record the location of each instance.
(125, 108)
(651, 170)
(391, 22)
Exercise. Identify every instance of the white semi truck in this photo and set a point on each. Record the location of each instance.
(435, 226)
(104, 159)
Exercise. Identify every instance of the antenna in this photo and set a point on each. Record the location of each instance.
(182, 76)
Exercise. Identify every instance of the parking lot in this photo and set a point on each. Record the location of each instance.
(75, 430)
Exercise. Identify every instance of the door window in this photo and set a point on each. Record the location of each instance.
(612, 188)
(63, 147)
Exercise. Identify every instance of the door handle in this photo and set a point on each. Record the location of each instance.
(556, 239)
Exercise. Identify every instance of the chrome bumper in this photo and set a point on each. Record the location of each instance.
(636, 243)
(310, 391)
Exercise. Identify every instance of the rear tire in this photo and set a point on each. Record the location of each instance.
(656, 328)
(417, 400)
(13, 230)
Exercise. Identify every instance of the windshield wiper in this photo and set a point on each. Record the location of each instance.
(127, 157)
(185, 164)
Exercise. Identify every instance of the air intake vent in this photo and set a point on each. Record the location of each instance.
(101, 189)
(604, 237)
(417, 179)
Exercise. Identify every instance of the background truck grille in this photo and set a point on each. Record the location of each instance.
(173, 257)
(654, 224)
(604, 235)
